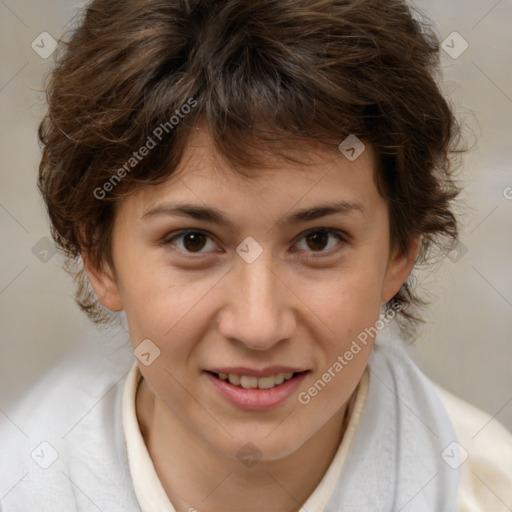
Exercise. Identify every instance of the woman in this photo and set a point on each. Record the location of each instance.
(252, 183)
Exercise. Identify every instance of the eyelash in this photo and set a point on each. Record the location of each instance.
(340, 235)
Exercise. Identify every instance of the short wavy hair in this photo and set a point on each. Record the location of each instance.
(262, 74)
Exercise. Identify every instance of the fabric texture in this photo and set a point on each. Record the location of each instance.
(62, 447)
(68, 445)
(395, 461)
(486, 463)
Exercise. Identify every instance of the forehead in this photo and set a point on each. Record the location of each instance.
(319, 175)
(299, 155)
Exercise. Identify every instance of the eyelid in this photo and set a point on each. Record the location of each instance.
(168, 240)
(342, 237)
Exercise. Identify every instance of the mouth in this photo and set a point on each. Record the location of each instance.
(253, 382)
(256, 393)
(253, 389)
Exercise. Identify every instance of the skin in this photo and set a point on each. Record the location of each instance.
(212, 308)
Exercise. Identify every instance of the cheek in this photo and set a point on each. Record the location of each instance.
(346, 300)
(150, 296)
(166, 305)
(349, 305)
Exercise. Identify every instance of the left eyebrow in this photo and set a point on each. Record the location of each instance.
(216, 216)
(322, 210)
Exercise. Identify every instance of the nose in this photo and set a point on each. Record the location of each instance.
(258, 309)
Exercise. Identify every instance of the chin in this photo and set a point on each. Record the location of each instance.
(250, 447)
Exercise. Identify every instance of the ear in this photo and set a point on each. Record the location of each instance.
(399, 268)
(104, 283)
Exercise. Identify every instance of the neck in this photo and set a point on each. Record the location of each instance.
(196, 476)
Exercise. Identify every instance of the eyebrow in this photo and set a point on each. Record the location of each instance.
(216, 216)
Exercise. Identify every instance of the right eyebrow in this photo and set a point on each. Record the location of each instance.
(206, 213)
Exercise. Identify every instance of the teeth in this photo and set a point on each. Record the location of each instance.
(266, 382)
(234, 379)
(250, 382)
(279, 378)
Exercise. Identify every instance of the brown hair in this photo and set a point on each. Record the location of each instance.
(258, 73)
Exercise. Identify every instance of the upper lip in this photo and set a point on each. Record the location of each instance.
(253, 372)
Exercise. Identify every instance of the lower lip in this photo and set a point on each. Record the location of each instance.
(257, 399)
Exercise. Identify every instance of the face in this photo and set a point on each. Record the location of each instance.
(263, 276)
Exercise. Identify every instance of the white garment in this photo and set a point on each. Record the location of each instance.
(389, 459)
(150, 492)
(486, 475)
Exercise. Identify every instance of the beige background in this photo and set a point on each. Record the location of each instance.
(465, 345)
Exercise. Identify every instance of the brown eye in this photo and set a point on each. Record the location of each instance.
(321, 241)
(317, 241)
(192, 242)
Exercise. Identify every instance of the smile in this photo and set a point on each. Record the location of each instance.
(251, 382)
(252, 393)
